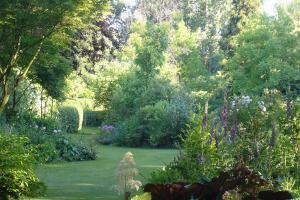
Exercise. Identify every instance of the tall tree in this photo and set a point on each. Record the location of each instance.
(25, 26)
(266, 57)
(239, 12)
(157, 11)
(151, 54)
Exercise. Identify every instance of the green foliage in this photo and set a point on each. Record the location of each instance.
(17, 176)
(51, 73)
(150, 119)
(124, 99)
(52, 148)
(70, 151)
(93, 118)
(71, 117)
(289, 184)
(76, 87)
(34, 39)
(49, 142)
(107, 81)
(150, 115)
(151, 54)
(273, 153)
(50, 123)
(179, 170)
(269, 53)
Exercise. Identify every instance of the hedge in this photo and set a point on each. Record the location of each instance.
(71, 116)
(93, 118)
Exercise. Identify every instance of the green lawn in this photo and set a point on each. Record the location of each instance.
(94, 179)
(90, 130)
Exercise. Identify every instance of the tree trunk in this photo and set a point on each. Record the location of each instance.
(4, 97)
(7, 74)
(41, 104)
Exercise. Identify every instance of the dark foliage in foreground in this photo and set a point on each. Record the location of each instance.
(240, 182)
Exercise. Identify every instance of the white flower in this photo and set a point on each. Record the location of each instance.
(54, 131)
(246, 100)
(232, 104)
(262, 106)
(134, 184)
(126, 172)
(36, 126)
(59, 131)
(266, 91)
(43, 128)
(274, 91)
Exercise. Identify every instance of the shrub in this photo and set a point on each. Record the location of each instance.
(157, 125)
(42, 139)
(46, 152)
(179, 170)
(128, 133)
(154, 122)
(149, 111)
(208, 151)
(70, 151)
(71, 118)
(49, 124)
(49, 148)
(16, 175)
(107, 135)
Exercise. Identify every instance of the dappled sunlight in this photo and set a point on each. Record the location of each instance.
(98, 97)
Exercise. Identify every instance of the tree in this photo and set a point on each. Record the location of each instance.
(266, 56)
(239, 12)
(102, 39)
(157, 11)
(26, 26)
(151, 54)
(197, 13)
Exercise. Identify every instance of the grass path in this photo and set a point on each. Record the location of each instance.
(93, 179)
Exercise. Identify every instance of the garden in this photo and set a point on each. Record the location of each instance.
(149, 99)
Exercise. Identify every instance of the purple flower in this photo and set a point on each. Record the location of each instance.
(213, 134)
(273, 137)
(107, 128)
(234, 128)
(224, 114)
(205, 116)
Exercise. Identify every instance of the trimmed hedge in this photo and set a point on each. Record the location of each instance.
(71, 116)
(93, 118)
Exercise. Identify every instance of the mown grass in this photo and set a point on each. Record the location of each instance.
(90, 130)
(94, 179)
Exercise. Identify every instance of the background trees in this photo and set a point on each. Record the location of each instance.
(219, 78)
